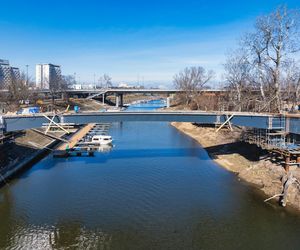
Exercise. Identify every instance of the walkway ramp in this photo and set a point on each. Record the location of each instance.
(97, 94)
(76, 137)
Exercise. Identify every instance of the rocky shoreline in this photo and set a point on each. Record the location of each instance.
(250, 163)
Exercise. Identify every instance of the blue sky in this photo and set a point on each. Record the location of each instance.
(149, 40)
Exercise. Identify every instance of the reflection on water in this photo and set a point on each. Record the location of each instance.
(156, 189)
(105, 148)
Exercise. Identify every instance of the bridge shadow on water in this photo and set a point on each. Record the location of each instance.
(121, 154)
(250, 152)
(143, 154)
(153, 153)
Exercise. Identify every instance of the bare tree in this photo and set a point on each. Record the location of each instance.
(237, 75)
(291, 82)
(17, 92)
(256, 47)
(269, 49)
(280, 36)
(67, 81)
(105, 81)
(17, 89)
(55, 87)
(191, 81)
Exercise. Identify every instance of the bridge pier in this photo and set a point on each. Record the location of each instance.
(168, 101)
(103, 98)
(119, 100)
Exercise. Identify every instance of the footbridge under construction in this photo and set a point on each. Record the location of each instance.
(291, 123)
(268, 131)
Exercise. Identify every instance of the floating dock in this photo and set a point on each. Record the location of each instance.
(64, 149)
(80, 145)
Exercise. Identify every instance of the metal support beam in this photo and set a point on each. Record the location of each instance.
(287, 124)
(52, 121)
(2, 125)
(229, 123)
(228, 120)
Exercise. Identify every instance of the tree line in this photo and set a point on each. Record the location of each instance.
(262, 74)
(18, 89)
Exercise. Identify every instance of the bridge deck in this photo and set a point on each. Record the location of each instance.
(20, 122)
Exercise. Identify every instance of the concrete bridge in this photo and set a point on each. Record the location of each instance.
(256, 120)
(128, 91)
(117, 92)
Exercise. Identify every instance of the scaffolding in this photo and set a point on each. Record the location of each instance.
(276, 139)
(1, 130)
(273, 137)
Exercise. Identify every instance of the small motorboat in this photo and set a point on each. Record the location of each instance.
(101, 139)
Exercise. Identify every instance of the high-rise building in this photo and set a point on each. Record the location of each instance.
(47, 76)
(15, 73)
(8, 74)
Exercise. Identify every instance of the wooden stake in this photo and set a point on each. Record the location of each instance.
(287, 165)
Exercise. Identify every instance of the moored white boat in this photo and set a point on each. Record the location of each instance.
(102, 139)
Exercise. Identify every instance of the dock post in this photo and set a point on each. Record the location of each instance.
(121, 100)
(287, 163)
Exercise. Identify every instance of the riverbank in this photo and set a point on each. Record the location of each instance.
(27, 148)
(247, 161)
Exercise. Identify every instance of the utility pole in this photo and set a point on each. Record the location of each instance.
(27, 74)
(94, 81)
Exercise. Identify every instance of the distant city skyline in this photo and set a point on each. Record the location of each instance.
(130, 41)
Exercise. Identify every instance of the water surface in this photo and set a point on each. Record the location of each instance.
(157, 189)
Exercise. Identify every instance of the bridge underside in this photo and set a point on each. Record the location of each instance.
(15, 123)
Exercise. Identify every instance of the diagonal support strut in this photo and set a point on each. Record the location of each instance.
(227, 121)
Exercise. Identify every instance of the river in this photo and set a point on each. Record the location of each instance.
(156, 189)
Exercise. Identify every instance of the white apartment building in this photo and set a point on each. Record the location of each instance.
(47, 76)
(7, 74)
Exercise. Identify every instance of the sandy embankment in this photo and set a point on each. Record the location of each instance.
(244, 160)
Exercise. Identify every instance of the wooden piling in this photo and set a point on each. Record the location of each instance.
(287, 163)
(298, 159)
